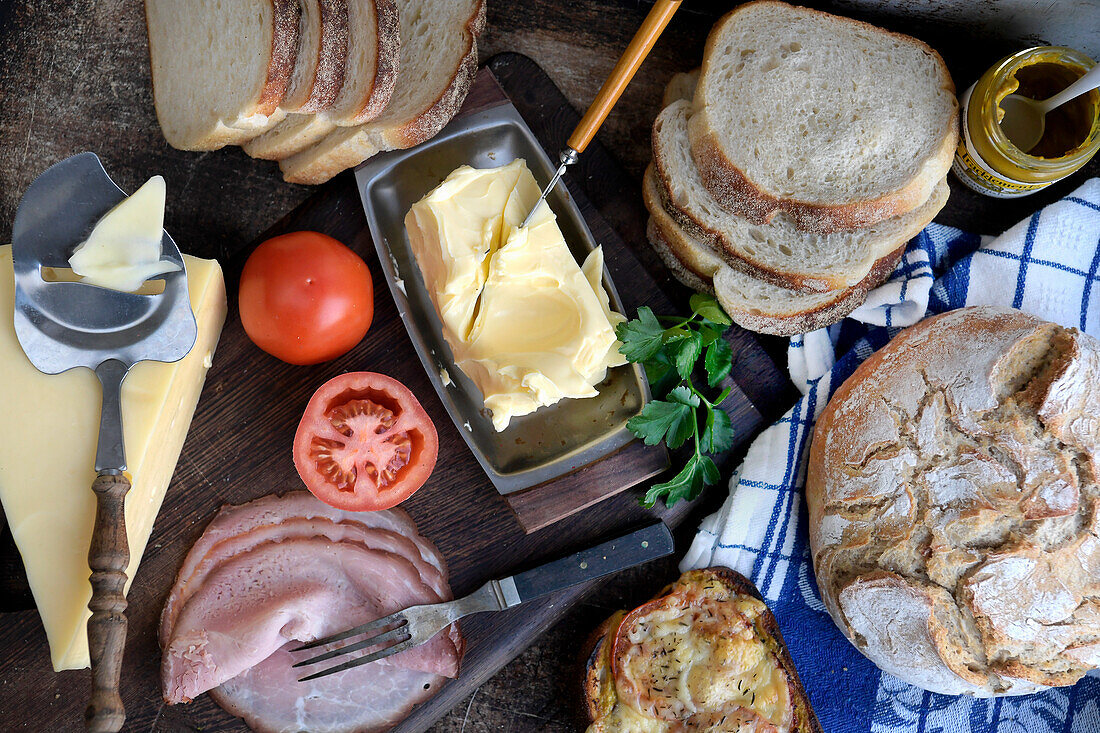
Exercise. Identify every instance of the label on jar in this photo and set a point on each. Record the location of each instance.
(978, 175)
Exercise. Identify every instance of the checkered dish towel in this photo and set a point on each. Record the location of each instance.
(1047, 265)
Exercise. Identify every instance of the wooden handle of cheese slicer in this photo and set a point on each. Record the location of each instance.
(623, 72)
(108, 558)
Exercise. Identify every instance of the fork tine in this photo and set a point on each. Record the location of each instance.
(367, 659)
(393, 618)
(383, 638)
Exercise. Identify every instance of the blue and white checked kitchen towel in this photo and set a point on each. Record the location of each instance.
(1048, 265)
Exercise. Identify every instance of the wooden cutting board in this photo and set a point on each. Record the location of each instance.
(238, 449)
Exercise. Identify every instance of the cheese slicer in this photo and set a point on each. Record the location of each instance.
(62, 325)
(632, 58)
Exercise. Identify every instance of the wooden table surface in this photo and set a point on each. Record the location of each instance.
(75, 77)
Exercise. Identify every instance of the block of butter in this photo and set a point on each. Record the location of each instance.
(524, 321)
(48, 431)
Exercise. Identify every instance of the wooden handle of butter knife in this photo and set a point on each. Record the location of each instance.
(108, 558)
(623, 72)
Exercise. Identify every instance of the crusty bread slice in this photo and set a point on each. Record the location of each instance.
(438, 60)
(220, 68)
(373, 41)
(837, 122)
(319, 61)
(680, 86)
(751, 302)
(777, 252)
(322, 56)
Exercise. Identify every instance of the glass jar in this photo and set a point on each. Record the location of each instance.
(988, 162)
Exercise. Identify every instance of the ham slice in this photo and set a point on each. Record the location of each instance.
(374, 697)
(291, 528)
(251, 604)
(233, 521)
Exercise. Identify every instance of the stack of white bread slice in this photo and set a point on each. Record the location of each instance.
(790, 171)
(318, 85)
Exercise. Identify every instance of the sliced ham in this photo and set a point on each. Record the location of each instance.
(374, 697)
(293, 528)
(250, 605)
(233, 521)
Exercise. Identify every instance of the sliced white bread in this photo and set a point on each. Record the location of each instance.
(837, 122)
(322, 56)
(751, 302)
(438, 60)
(777, 252)
(319, 61)
(373, 40)
(220, 68)
(680, 86)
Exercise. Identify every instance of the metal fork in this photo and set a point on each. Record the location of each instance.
(416, 625)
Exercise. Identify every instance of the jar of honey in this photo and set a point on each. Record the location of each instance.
(988, 162)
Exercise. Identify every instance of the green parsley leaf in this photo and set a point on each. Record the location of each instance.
(710, 333)
(685, 485)
(669, 356)
(718, 361)
(684, 396)
(710, 472)
(687, 353)
(708, 307)
(672, 422)
(642, 337)
(718, 433)
(661, 373)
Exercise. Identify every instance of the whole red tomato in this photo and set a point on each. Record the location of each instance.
(305, 298)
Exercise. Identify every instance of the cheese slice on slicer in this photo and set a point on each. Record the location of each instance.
(48, 431)
(124, 248)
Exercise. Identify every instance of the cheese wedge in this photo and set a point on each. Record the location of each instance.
(48, 432)
(524, 321)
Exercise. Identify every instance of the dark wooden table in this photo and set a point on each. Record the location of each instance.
(75, 77)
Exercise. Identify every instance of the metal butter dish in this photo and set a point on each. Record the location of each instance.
(554, 440)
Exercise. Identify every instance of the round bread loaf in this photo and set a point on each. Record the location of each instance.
(953, 498)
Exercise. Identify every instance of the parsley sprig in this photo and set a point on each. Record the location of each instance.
(669, 348)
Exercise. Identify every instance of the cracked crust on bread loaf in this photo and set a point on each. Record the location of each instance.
(954, 505)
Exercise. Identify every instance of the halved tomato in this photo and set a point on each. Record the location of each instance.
(364, 443)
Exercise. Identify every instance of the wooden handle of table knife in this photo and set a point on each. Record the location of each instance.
(108, 558)
(623, 72)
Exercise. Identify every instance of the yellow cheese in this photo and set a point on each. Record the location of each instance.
(524, 321)
(124, 248)
(48, 434)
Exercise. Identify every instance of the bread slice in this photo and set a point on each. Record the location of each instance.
(777, 252)
(373, 40)
(623, 690)
(319, 61)
(322, 56)
(438, 61)
(752, 303)
(837, 122)
(680, 86)
(221, 69)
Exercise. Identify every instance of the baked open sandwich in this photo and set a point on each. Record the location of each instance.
(704, 654)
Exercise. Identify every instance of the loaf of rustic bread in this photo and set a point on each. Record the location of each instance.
(954, 505)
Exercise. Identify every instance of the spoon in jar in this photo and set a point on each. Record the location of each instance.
(1024, 119)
